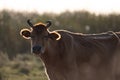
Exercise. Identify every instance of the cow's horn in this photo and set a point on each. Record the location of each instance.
(29, 22)
(48, 23)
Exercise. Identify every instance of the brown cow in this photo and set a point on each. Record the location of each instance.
(75, 56)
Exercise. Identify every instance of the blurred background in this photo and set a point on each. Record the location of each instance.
(84, 16)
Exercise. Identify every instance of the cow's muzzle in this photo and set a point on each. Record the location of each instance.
(36, 49)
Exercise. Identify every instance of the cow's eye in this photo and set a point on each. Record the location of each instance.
(32, 36)
(46, 37)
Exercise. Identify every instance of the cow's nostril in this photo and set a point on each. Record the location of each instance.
(36, 49)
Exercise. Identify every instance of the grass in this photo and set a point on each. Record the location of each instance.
(22, 67)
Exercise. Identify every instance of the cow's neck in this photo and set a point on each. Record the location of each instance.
(51, 53)
(55, 61)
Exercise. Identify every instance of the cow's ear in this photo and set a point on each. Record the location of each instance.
(55, 36)
(25, 33)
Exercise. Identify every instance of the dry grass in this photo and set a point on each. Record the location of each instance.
(22, 67)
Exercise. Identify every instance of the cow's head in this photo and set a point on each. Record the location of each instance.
(40, 36)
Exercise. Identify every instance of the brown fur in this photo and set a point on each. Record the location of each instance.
(82, 57)
(76, 56)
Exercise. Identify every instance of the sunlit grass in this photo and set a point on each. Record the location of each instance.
(22, 67)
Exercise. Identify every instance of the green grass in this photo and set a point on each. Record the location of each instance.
(22, 67)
